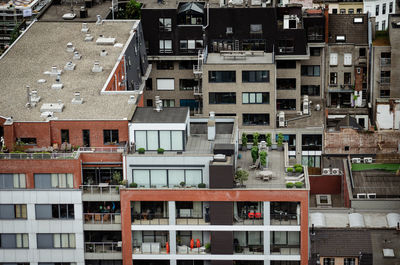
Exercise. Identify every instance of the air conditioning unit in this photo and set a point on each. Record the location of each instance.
(281, 118)
(326, 171)
(229, 30)
(361, 195)
(335, 171)
(356, 160)
(371, 195)
(367, 160)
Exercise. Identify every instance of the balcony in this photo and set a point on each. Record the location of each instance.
(284, 250)
(188, 217)
(103, 250)
(118, 149)
(100, 192)
(149, 218)
(150, 248)
(109, 221)
(386, 61)
(39, 156)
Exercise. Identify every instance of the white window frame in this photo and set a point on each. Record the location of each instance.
(347, 59)
(333, 59)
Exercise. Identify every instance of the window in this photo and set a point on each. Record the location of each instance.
(289, 64)
(340, 38)
(165, 84)
(315, 51)
(286, 46)
(256, 119)
(222, 98)
(55, 180)
(383, 25)
(334, 11)
(167, 178)
(11, 241)
(329, 261)
(64, 136)
(167, 103)
(333, 78)
(190, 45)
(347, 148)
(12, 181)
(286, 104)
(347, 59)
(152, 140)
(186, 65)
(221, 76)
(376, 26)
(377, 10)
(285, 238)
(13, 211)
(255, 28)
(358, 20)
(286, 83)
(384, 9)
(187, 84)
(165, 24)
(255, 76)
(385, 77)
(359, 10)
(333, 59)
(149, 84)
(54, 211)
(45, 241)
(362, 52)
(165, 65)
(28, 141)
(86, 138)
(342, 11)
(255, 98)
(149, 103)
(310, 70)
(191, 103)
(384, 93)
(349, 261)
(165, 46)
(347, 78)
(110, 136)
(253, 44)
(391, 7)
(310, 90)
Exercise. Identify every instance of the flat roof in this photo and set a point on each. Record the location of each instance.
(44, 45)
(383, 183)
(242, 57)
(167, 115)
(388, 239)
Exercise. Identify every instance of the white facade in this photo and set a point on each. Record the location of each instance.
(32, 227)
(380, 9)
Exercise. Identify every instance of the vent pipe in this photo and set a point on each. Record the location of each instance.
(211, 131)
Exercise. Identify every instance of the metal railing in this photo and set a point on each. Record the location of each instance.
(100, 189)
(283, 219)
(313, 37)
(102, 218)
(149, 250)
(249, 250)
(150, 219)
(386, 61)
(118, 149)
(40, 156)
(187, 250)
(103, 247)
(191, 221)
(284, 250)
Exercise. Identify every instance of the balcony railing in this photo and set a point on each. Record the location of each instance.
(249, 250)
(103, 247)
(102, 218)
(252, 218)
(149, 219)
(149, 248)
(191, 221)
(284, 250)
(283, 219)
(386, 61)
(315, 37)
(385, 80)
(100, 189)
(39, 156)
(118, 149)
(286, 49)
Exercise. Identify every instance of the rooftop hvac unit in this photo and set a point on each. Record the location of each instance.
(326, 171)
(356, 160)
(367, 160)
(335, 171)
(281, 118)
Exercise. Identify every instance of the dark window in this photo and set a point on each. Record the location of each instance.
(28, 141)
(6, 181)
(310, 70)
(255, 76)
(342, 11)
(286, 46)
(347, 78)
(221, 76)
(149, 103)
(165, 46)
(362, 52)
(253, 44)
(86, 138)
(255, 28)
(165, 24)
(284, 238)
(165, 65)
(311, 142)
(349, 261)
(377, 10)
(187, 84)
(191, 103)
(286, 104)
(390, 7)
(329, 261)
(315, 51)
(255, 98)
(334, 11)
(64, 136)
(310, 90)
(168, 103)
(351, 11)
(11, 241)
(222, 98)
(286, 83)
(149, 84)
(383, 9)
(42, 181)
(186, 65)
(110, 136)
(359, 10)
(45, 241)
(333, 78)
(385, 77)
(289, 64)
(384, 93)
(256, 119)
(54, 211)
(13, 211)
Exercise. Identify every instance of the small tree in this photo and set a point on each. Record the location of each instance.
(241, 176)
(255, 139)
(263, 158)
(133, 10)
(116, 177)
(244, 139)
(280, 139)
(269, 142)
(254, 153)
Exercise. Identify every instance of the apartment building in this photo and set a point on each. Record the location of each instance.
(64, 127)
(341, 6)
(381, 11)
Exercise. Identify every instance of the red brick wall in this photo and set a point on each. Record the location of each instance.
(117, 75)
(325, 184)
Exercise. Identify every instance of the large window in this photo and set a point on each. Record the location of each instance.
(64, 136)
(152, 140)
(165, 46)
(256, 119)
(286, 83)
(165, 65)
(330, 261)
(347, 78)
(191, 103)
(222, 98)
(46, 241)
(14, 241)
(333, 79)
(12, 181)
(168, 103)
(310, 90)
(349, 261)
(13, 211)
(286, 64)
(255, 76)
(187, 84)
(28, 141)
(311, 142)
(110, 136)
(190, 45)
(285, 238)
(54, 211)
(156, 178)
(255, 98)
(49, 181)
(165, 24)
(187, 65)
(310, 70)
(286, 104)
(221, 76)
(165, 84)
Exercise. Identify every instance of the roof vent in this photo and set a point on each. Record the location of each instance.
(54, 71)
(88, 37)
(85, 28)
(34, 97)
(41, 81)
(77, 56)
(47, 114)
(132, 99)
(28, 95)
(57, 84)
(103, 53)
(9, 121)
(69, 66)
(356, 220)
(105, 41)
(52, 107)
(70, 47)
(96, 67)
(118, 45)
(77, 98)
(99, 20)
(158, 103)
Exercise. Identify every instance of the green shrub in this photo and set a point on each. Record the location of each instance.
(289, 185)
(201, 185)
(133, 185)
(241, 176)
(269, 141)
(297, 165)
(255, 139)
(263, 158)
(141, 150)
(207, 246)
(299, 169)
(160, 150)
(254, 153)
(290, 169)
(299, 184)
(182, 184)
(244, 139)
(280, 139)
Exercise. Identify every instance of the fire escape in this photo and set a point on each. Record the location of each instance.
(198, 76)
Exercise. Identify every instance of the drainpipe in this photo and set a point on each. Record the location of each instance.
(326, 14)
(208, 17)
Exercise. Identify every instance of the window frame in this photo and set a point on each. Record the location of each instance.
(216, 98)
(248, 94)
(163, 26)
(162, 46)
(264, 123)
(213, 76)
(255, 76)
(110, 135)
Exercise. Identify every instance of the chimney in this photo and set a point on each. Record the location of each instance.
(58, 84)
(97, 68)
(69, 66)
(211, 126)
(159, 106)
(326, 15)
(77, 98)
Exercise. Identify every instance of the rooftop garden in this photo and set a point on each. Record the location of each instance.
(387, 167)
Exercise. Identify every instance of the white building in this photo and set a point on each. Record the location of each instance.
(380, 9)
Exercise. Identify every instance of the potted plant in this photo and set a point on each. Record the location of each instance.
(289, 171)
(255, 139)
(160, 151)
(124, 183)
(241, 176)
(116, 178)
(269, 141)
(244, 141)
(201, 185)
(263, 159)
(141, 150)
(299, 184)
(254, 153)
(299, 169)
(289, 185)
(280, 141)
(208, 247)
(133, 185)
(182, 184)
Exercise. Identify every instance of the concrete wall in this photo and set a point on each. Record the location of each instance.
(375, 204)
